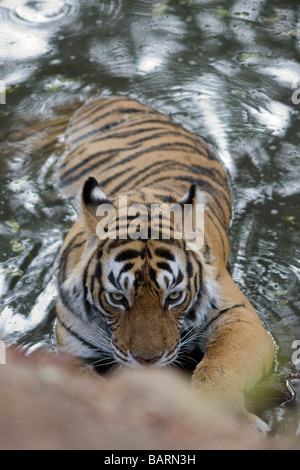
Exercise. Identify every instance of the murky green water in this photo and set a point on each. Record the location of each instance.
(227, 70)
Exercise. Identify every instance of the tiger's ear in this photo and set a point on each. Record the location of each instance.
(193, 206)
(193, 196)
(92, 197)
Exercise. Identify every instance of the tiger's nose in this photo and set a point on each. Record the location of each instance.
(147, 361)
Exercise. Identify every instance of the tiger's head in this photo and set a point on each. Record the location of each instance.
(132, 295)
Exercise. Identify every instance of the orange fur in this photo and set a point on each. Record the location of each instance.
(133, 151)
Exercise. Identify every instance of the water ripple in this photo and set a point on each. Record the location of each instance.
(37, 12)
(110, 12)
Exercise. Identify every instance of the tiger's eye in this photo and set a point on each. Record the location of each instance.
(174, 296)
(117, 297)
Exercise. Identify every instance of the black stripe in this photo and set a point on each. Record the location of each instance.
(163, 120)
(139, 278)
(60, 123)
(111, 154)
(207, 252)
(113, 280)
(161, 165)
(97, 276)
(220, 234)
(64, 256)
(189, 266)
(122, 359)
(179, 277)
(125, 218)
(221, 313)
(200, 272)
(87, 305)
(124, 135)
(104, 128)
(197, 293)
(158, 135)
(173, 242)
(172, 146)
(73, 154)
(127, 254)
(125, 269)
(164, 253)
(90, 108)
(115, 176)
(152, 273)
(148, 252)
(158, 167)
(169, 199)
(89, 170)
(166, 122)
(102, 116)
(76, 335)
(64, 299)
(119, 242)
(165, 266)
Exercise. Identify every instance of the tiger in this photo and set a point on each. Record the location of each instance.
(153, 301)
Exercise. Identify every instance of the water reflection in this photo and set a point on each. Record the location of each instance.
(26, 31)
(274, 118)
(16, 42)
(39, 12)
(287, 72)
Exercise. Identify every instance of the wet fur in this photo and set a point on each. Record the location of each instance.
(121, 147)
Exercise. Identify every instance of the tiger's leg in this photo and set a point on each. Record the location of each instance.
(239, 351)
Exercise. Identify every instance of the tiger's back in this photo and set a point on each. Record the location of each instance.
(128, 146)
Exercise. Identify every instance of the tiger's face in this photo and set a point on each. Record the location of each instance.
(143, 290)
(129, 299)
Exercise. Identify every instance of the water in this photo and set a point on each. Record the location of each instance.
(228, 71)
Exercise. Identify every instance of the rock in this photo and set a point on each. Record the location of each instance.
(46, 403)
